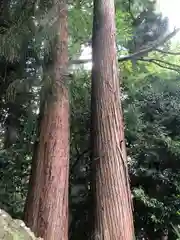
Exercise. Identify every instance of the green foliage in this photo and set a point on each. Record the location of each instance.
(80, 33)
(15, 164)
(79, 164)
(123, 26)
(147, 24)
(151, 109)
(177, 232)
(152, 131)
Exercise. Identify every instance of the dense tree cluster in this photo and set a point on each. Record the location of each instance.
(34, 93)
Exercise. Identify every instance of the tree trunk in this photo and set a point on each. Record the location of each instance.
(113, 218)
(46, 210)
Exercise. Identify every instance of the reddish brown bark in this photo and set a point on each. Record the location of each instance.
(46, 210)
(113, 218)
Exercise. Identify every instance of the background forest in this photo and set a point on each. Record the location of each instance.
(150, 84)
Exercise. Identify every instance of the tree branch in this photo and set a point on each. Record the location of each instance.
(162, 63)
(138, 54)
(167, 52)
(79, 61)
(151, 48)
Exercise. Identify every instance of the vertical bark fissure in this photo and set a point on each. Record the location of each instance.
(46, 211)
(32, 200)
(113, 211)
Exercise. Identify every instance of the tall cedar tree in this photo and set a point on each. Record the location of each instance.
(46, 210)
(113, 208)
